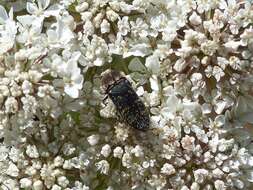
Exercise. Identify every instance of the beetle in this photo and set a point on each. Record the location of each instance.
(129, 107)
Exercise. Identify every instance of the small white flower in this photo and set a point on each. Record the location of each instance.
(209, 47)
(219, 106)
(140, 5)
(14, 154)
(173, 104)
(224, 145)
(121, 132)
(103, 166)
(201, 135)
(195, 19)
(118, 152)
(41, 8)
(217, 173)
(137, 151)
(188, 143)
(154, 97)
(105, 26)
(180, 65)
(218, 73)
(29, 104)
(195, 186)
(98, 19)
(209, 71)
(127, 160)
(67, 165)
(88, 28)
(56, 187)
(206, 108)
(25, 183)
(200, 175)
(27, 87)
(139, 49)
(185, 188)
(219, 185)
(222, 62)
(60, 34)
(170, 32)
(38, 185)
(11, 105)
(123, 26)
(4, 90)
(8, 30)
(15, 90)
(12, 170)
(247, 36)
(93, 139)
(32, 151)
(139, 28)
(157, 182)
(233, 45)
(34, 76)
(30, 171)
(154, 83)
(73, 79)
(220, 120)
(68, 149)
(153, 64)
(168, 169)
(30, 29)
(126, 8)
(106, 150)
(235, 63)
(63, 181)
(112, 15)
(158, 22)
(96, 52)
(108, 111)
(82, 7)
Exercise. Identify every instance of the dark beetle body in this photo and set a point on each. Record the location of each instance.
(130, 109)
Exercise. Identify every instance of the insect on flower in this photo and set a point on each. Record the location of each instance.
(130, 109)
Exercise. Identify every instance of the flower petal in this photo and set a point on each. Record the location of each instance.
(154, 83)
(3, 14)
(72, 91)
(31, 8)
(44, 3)
(153, 64)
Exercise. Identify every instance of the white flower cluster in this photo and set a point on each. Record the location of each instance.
(190, 61)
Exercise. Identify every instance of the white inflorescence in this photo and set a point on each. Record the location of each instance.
(190, 61)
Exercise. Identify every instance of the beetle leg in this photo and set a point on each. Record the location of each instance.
(105, 98)
(141, 83)
(119, 117)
